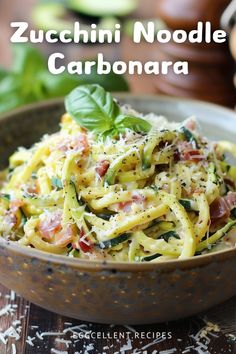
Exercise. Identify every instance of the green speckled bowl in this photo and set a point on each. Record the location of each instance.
(116, 292)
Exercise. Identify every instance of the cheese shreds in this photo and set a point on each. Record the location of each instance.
(88, 348)
(77, 186)
(30, 340)
(46, 334)
(16, 323)
(156, 341)
(12, 295)
(64, 341)
(39, 335)
(6, 310)
(11, 333)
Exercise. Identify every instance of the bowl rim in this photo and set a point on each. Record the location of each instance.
(95, 265)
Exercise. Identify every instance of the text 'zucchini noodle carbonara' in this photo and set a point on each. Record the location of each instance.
(132, 196)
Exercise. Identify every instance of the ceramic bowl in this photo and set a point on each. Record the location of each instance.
(109, 292)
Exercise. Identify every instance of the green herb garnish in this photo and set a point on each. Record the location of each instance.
(5, 196)
(189, 135)
(95, 109)
(167, 235)
(151, 257)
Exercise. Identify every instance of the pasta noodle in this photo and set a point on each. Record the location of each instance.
(156, 196)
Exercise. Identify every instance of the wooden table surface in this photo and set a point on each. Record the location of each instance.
(26, 328)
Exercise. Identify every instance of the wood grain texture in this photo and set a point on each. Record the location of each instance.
(35, 319)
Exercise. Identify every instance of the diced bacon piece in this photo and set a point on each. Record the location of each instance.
(222, 206)
(219, 209)
(230, 200)
(79, 143)
(102, 167)
(229, 182)
(184, 145)
(192, 155)
(176, 155)
(63, 145)
(126, 207)
(50, 225)
(186, 152)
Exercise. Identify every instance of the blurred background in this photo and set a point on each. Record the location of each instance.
(23, 71)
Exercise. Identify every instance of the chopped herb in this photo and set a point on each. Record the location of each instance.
(188, 204)
(23, 217)
(189, 135)
(74, 253)
(5, 196)
(167, 235)
(150, 258)
(95, 109)
(114, 241)
(104, 216)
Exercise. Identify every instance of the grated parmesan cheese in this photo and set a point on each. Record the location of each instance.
(30, 340)
(168, 351)
(201, 339)
(64, 341)
(55, 351)
(6, 310)
(13, 348)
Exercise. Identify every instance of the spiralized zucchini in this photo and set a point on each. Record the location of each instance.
(137, 197)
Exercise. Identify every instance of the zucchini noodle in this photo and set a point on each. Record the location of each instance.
(136, 197)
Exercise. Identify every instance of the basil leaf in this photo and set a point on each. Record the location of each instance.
(136, 124)
(92, 107)
(95, 109)
(10, 97)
